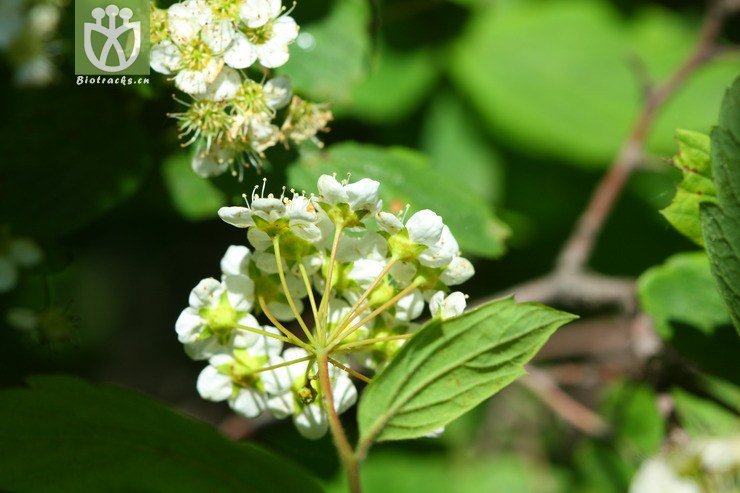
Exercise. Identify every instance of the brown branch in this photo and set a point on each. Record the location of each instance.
(570, 410)
(570, 282)
(579, 246)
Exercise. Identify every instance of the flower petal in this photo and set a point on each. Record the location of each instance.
(213, 385)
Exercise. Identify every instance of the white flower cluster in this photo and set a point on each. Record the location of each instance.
(16, 253)
(27, 35)
(711, 465)
(206, 46)
(362, 287)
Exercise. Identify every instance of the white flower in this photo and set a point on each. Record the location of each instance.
(447, 306)
(209, 324)
(19, 252)
(233, 377)
(361, 195)
(388, 222)
(225, 86)
(240, 53)
(410, 306)
(256, 13)
(196, 80)
(191, 49)
(278, 92)
(236, 260)
(459, 271)
(186, 19)
(164, 57)
(441, 253)
(300, 212)
(218, 34)
(211, 161)
(720, 455)
(656, 476)
(425, 228)
(272, 52)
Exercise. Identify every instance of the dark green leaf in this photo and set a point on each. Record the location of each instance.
(66, 435)
(69, 156)
(406, 177)
(193, 196)
(721, 221)
(450, 366)
(695, 162)
(682, 290)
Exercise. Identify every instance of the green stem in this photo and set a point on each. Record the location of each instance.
(263, 333)
(367, 342)
(309, 289)
(284, 282)
(281, 327)
(346, 453)
(324, 304)
(339, 336)
(355, 310)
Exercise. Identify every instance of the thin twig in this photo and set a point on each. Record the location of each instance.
(570, 281)
(572, 411)
(578, 248)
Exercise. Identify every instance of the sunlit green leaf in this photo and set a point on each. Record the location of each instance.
(65, 435)
(406, 177)
(527, 69)
(395, 472)
(702, 417)
(450, 366)
(396, 84)
(330, 56)
(193, 196)
(721, 221)
(695, 162)
(455, 146)
(682, 290)
(632, 410)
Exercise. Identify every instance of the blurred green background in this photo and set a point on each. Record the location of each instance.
(499, 115)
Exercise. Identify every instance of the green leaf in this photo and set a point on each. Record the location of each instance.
(721, 221)
(695, 162)
(682, 290)
(439, 474)
(450, 366)
(527, 69)
(632, 409)
(456, 147)
(702, 417)
(65, 435)
(406, 177)
(193, 196)
(398, 81)
(335, 57)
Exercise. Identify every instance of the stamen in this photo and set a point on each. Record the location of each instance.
(403, 219)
